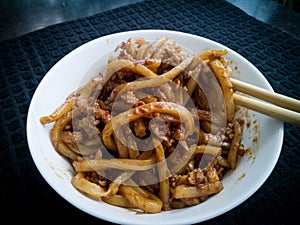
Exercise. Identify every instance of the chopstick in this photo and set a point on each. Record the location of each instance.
(275, 105)
(263, 94)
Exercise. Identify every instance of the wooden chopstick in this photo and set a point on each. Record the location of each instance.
(263, 94)
(268, 109)
(275, 105)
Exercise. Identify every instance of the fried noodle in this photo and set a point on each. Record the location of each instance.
(155, 131)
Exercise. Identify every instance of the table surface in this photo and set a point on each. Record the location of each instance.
(18, 17)
(26, 58)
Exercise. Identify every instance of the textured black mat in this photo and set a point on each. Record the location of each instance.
(25, 60)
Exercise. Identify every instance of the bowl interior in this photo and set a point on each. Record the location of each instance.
(262, 136)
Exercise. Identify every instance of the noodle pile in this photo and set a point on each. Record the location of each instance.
(155, 131)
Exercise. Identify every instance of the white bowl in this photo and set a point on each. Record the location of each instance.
(264, 137)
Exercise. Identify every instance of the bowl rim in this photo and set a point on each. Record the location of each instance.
(155, 32)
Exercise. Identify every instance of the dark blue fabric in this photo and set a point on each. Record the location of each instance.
(26, 59)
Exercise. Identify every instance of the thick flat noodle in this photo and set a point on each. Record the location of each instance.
(186, 191)
(154, 131)
(143, 110)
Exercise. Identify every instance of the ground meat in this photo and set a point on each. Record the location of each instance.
(129, 97)
(102, 114)
(196, 177)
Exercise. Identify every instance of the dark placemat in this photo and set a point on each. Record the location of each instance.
(26, 59)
